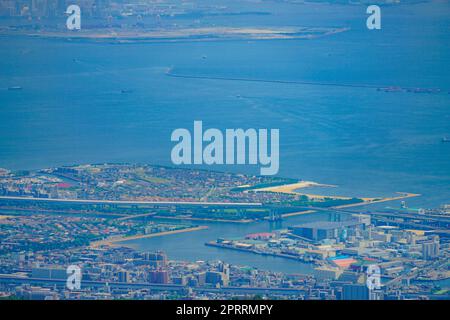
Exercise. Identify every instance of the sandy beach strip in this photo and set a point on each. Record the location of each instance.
(290, 188)
(402, 195)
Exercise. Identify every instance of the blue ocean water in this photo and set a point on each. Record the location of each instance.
(368, 142)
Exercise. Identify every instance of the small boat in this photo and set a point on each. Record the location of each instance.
(15, 88)
(445, 139)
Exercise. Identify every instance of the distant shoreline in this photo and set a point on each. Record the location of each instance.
(187, 34)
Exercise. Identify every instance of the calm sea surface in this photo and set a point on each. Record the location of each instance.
(369, 143)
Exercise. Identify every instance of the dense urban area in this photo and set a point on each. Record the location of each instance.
(85, 215)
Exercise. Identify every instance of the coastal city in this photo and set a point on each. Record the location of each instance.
(225, 150)
(133, 188)
(88, 216)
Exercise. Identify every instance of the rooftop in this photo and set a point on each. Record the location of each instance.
(327, 224)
